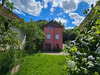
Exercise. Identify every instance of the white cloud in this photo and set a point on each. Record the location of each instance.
(64, 16)
(52, 10)
(31, 7)
(77, 18)
(34, 7)
(59, 14)
(47, 19)
(18, 11)
(67, 5)
(46, 3)
(63, 21)
(69, 28)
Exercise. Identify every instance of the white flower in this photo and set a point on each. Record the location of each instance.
(90, 64)
(84, 60)
(97, 44)
(90, 58)
(76, 58)
(79, 53)
(71, 64)
(84, 53)
(90, 38)
(98, 50)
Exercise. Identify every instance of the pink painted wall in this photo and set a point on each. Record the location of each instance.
(53, 41)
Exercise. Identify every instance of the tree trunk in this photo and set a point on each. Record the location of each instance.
(3, 2)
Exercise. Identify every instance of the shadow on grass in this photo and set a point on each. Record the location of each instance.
(51, 51)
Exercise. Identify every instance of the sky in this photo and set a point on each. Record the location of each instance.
(69, 12)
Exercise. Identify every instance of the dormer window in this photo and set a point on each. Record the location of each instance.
(50, 27)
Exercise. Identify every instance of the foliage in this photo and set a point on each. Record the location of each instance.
(69, 34)
(34, 37)
(10, 59)
(84, 56)
(8, 43)
(6, 62)
(42, 64)
(8, 4)
(41, 23)
(59, 23)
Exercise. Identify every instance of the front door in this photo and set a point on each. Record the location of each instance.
(48, 46)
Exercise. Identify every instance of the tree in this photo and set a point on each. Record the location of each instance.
(34, 37)
(8, 4)
(41, 23)
(69, 34)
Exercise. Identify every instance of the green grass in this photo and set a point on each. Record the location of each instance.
(42, 65)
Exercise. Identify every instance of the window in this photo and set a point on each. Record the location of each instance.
(57, 36)
(48, 36)
(50, 27)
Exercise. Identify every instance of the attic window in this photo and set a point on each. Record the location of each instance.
(50, 27)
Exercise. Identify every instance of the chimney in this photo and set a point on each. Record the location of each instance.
(3, 2)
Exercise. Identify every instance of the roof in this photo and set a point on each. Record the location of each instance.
(91, 14)
(53, 24)
(85, 21)
(8, 13)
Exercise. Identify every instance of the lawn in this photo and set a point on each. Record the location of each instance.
(42, 65)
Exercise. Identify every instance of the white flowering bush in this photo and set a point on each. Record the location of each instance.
(84, 56)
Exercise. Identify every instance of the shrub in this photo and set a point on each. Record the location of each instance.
(84, 56)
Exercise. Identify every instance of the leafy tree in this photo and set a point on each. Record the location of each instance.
(34, 37)
(41, 23)
(8, 4)
(69, 34)
(59, 23)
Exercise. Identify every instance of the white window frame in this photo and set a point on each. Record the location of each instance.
(48, 36)
(57, 36)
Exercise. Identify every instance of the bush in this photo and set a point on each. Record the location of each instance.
(6, 62)
(10, 59)
(84, 56)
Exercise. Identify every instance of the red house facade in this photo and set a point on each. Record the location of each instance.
(53, 34)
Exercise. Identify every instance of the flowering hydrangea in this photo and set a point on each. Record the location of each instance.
(90, 58)
(79, 53)
(71, 64)
(90, 64)
(98, 50)
(84, 60)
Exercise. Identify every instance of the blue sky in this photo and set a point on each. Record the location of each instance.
(69, 12)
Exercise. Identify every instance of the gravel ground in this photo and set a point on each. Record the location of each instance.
(60, 53)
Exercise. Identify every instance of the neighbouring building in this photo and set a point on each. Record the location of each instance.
(89, 16)
(11, 16)
(53, 34)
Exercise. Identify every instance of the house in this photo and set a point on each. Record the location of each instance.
(53, 34)
(11, 16)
